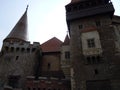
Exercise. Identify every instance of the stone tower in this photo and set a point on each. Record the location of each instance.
(94, 45)
(18, 58)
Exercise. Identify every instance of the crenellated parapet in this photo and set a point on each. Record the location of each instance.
(20, 47)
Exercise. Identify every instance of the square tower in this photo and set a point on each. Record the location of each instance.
(93, 45)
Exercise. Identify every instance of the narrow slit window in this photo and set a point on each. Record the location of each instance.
(48, 66)
(17, 57)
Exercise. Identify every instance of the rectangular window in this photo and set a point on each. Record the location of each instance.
(91, 43)
(80, 26)
(98, 23)
(67, 55)
(93, 59)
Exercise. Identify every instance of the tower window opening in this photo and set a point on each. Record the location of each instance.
(80, 26)
(44, 88)
(13, 81)
(48, 66)
(6, 48)
(12, 49)
(23, 49)
(34, 88)
(29, 88)
(93, 59)
(91, 43)
(98, 59)
(49, 89)
(68, 9)
(96, 71)
(28, 49)
(81, 6)
(17, 57)
(54, 89)
(98, 23)
(17, 49)
(33, 49)
(75, 8)
(89, 4)
(88, 60)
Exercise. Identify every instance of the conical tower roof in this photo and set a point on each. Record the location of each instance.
(20, 29)
(67, 40)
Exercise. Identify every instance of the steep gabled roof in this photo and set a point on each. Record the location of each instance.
(66, 41)
(20, 29)
(52, 45)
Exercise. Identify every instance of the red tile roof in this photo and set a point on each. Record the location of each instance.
(52, 45)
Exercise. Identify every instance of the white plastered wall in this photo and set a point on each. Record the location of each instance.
(91, 35)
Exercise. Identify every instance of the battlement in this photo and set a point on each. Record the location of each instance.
(20, 47)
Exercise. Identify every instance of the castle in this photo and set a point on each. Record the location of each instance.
(88, 59)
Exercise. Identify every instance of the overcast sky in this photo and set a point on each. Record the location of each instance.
(46, 18)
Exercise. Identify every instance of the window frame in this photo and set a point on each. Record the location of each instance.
(67, 55)
(91, 43)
